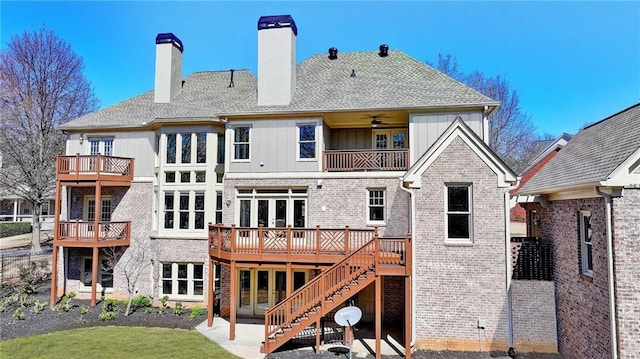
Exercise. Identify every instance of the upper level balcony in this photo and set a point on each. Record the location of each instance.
(88, 234)
(366, 160)
(114, 170)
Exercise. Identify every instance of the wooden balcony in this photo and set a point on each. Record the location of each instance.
(114, 170)
(84, 234)
(285, 245)
(366, 160)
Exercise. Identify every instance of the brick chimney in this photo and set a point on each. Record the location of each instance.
(276, 59)
(168, 67)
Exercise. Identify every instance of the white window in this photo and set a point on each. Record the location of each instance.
(376, 206)
(44, 209)
(105, 273)
(170, 156)
(101, 146)
(241, 141)
(182, 279)
(586, 244)
(458, 213)
(306, 141)
(218, 207)
(90, 208)
(184, 210)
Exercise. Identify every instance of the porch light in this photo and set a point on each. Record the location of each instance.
(228, 202)
(81, 137)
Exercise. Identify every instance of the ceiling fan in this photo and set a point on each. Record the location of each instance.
(375, 122)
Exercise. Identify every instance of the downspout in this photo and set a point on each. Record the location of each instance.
(507, 257)
(412, 222)
(612, 300)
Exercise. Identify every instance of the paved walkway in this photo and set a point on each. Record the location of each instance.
(22, 240)
(249, 338)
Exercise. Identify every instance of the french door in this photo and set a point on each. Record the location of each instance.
(387, 139)
(262, 288)
(272, 212)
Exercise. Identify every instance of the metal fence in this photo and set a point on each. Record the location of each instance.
(531, 260)
(11, 262)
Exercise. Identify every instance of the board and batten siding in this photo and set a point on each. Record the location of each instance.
(138, 145)
(425, 129)
(351, 139)
(273, 146)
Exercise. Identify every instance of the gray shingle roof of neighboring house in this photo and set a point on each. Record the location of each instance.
(397, 81)
(591, 155)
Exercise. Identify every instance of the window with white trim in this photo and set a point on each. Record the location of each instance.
(306, 136)
(218, 207)
(376, 206)
(241, 141)
(101, 145)
(186, 148)
(184, 210)
(182, 279)
(586, 244)
(458, 220)
(44, 208)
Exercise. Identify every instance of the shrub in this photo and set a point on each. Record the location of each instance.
(9, 229)
(163, 301)
(109, 309)
(18, 314)
(30, 276)
(84, 310)
(38, 306)
(148, 310)
(5, 302)
(178, 308)
(106, 316)
(66, 304)
(196, 312)
(140, 301)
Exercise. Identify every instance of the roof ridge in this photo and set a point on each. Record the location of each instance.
(611, 116)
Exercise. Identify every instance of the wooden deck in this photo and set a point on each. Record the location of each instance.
(366, 160)
(79, 168)
(84, 234)
(285, 245)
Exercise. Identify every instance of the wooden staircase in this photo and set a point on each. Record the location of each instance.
(332, 288)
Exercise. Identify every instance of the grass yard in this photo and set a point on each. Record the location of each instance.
(114, 342)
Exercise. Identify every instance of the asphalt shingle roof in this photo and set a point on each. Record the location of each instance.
(397, 81)
(591, 155)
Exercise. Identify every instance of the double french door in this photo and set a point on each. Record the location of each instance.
(272, 212)
(262, 288)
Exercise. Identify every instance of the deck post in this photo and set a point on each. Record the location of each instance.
(407, 317)
(94, 275)
(54, 273)
(318, 330)
(378, 284)
(212, 294)
(232, 302)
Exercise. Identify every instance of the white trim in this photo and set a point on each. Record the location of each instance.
(232, 157)
(99, 288)
(584, 245)
(625, 174)
(315, 141)
(315, 175)
(369, 221)
(457, 129)
(469, 213)
(189, 278)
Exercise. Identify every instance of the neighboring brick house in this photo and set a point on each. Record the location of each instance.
(588, 201)
(546, 150)
(361, 176)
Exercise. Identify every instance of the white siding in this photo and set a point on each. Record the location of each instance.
(425, 129)
(138, 145)
(273, 146)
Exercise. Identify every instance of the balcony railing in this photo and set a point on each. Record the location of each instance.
(366, 160)
(87, 234)
(300, 245)
(94, 167)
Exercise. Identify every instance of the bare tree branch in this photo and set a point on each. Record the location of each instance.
(511, 131)
(41, 87)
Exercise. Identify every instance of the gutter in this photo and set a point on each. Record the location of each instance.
(412, 224)
(507, 257)
(612, 299)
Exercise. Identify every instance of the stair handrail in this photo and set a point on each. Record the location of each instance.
(313, 293)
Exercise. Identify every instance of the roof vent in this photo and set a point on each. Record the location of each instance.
(384, 50)
(333, 53)
(353, 73)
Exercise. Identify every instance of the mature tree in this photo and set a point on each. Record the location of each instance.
(511, 130)
(41, 87)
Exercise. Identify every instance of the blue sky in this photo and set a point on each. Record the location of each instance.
(573, 63)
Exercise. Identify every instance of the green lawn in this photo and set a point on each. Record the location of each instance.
(114, 342)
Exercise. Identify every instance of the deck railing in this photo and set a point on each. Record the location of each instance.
(285, 244)
(78, 232)
(94, 165)
(315, 293)
(366, 160)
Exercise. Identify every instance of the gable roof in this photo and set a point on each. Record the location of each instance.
(396, 81)
(545, 147)
(458, 129)
(599, 154)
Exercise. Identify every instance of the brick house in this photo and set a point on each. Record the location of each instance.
(588, 198)
(360, 178)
